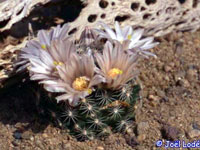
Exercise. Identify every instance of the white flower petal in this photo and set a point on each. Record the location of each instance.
(54, 89)
(146, 53)
(147, 40)
(64, 97)
(39, 67)
(126, 31)
(35, 62)
(118, 32)
(46, 58)
(49, 82)
(44, 37)
(109, 31)
(39, 77)
(149, 45)
(141, 42)
(135, 37)
(39, 70)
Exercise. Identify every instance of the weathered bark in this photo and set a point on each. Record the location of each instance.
(12, 11)
(158, 17)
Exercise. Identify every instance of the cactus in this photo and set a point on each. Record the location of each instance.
(95, 115)
(91, 80)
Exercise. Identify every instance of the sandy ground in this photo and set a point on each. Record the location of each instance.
(168, 108)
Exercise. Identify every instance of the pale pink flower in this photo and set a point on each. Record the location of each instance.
(116, 66)
(76, 79)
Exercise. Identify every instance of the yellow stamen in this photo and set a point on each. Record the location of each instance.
(113, 73)
(129, 37)
(81, 84)
(56, 63)
(43, 46)
(89, 91)
(116, 103)
(29, 67)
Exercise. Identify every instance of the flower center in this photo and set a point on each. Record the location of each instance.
(43, 46)
(114, 72)
(121, 41)
(129, 36)
(81, 84)
(56, 63)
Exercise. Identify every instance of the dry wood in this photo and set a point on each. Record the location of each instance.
(158, 17)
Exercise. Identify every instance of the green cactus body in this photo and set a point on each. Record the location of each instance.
(97, 115)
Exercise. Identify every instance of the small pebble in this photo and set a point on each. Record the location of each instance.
(194, 133)
(131, 141)
(195, 125)
(183, 83)
(17, 135)
(172, 64)
(141, 137)
(166, 78)
(170, 132)
(31, 138)
(44, 135)
(26, 135)
(100, 148)
(153, 98)
(167, 68)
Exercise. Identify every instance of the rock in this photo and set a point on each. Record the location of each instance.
(17, 135)
(170, 132)
(153, 98)
(195, 125)
(160, 93)
(131, 141)
(167, 68)
(179, 75)
(32, 138)
(179, 47)
(172, 64)
(100, 148)
(166, 78)
(183, 82)
(194, 133)
(141, 137)
(44, 135)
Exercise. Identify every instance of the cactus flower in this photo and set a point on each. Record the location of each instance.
(116, 66)
(131, 40)
(77, 79)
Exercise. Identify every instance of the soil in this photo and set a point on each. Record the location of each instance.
(168, 108)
